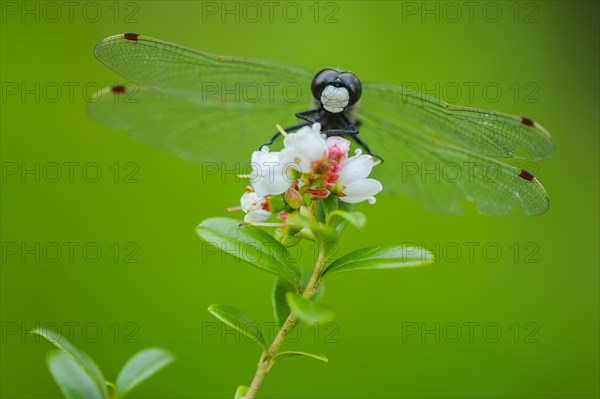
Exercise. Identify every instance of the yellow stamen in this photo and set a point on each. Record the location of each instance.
(283, 132)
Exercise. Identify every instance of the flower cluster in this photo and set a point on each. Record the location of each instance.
(309, 167)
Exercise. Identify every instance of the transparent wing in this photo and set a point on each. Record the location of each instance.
(197, 105)
(486, 132)
(443, 158)
(201, 107)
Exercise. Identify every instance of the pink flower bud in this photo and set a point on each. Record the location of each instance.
(338, 148)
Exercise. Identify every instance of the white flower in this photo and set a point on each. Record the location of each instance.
(353, 176)
(254, 206)
(304, 147)
(325, 169)
(269, 173)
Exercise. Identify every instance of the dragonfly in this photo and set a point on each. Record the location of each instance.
(204, 107)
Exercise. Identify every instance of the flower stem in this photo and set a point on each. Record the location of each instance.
(264, 364)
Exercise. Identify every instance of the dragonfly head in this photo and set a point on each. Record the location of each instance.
(336, 90)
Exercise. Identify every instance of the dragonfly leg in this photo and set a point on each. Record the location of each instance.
(354, 134)
(365, 146)
(304, 115)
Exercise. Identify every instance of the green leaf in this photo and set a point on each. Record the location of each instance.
(320, 212)
(249, 244)
(308, 311)
(140, 367)
(240, 392)
(84, 361)
(71, 378)
(332, 204)
(283, 355)
(357, 219)
(281, 287)
(377, 258)
(316, 230)
(329, 204)
(280, 306)
(238, 320)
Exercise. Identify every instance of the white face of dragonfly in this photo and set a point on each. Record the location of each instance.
(335, 99)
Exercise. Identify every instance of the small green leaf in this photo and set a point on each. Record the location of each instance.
(286, 240)
(249, 244)
(283, 355)
(377, 258)
(71, 378)
(329, 204)
(316, 231)
(308, 311)
(238, 320)
(140, 367)
(240, 392)
(84, 361)
(332, 204)
(280, 306)
(357, 219)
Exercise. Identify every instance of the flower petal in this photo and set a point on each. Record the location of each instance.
(269, 173)
(304, 147)
(355, 168)
(362, 190)
(257, 216)
(251, 202)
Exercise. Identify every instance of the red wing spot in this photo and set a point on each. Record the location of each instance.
(523, 174)
(131, 36)
(118, 89)
(526, 121)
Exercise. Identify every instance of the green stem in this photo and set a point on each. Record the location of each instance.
(264, 364)
(112, 390)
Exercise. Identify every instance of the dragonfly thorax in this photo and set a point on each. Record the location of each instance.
(335, 91)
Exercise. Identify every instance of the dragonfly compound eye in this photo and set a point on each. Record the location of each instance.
(321, 80)
(351, 82)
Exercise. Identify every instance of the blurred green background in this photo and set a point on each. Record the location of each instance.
(541, 290)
